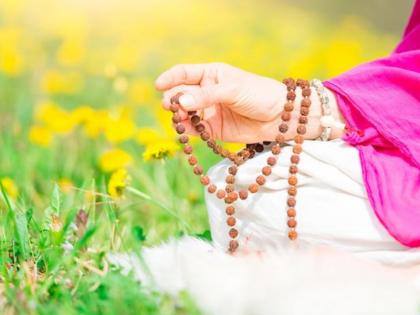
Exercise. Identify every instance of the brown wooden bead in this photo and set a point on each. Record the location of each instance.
(295, 159)
(230, 210)
(291, 223)
(233, 246)
(303, 119)
(292, 191)
(175, 99)
(293, 169)
(188, 149)
(301, 129)
(174, 108)
(260, 180)
(195, 120)
(291, 95)
(183, 139)
(283, 127)
(271, 161)
(211, 143)
(291, 213)
(280, 139)
(229, 200)
(229, 188)
(306, 102)
(259, 148)
(205, 136)
(238, 160)
(200, 128)
(276, 149)
(233, 170)
(224, 153)
(205, 180)
(304, 111)
(299, 139)
(288, 107)
(231, 221)
(297, 149)
(180, 128)
(233, 195)
(243, 194)
(253, 188)
(221, 194)
(212, 189)
(176, 118)
(198, 170)
(233, 233)
(231, 156)
(266, 170)
(306, 92)
(292, 180)
(292, 235)
(192, 160)
(230, 179)
(291, 202)
(286, 116)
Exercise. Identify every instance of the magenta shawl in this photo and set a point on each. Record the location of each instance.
(381, 99)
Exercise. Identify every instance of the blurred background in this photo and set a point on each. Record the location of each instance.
(78, 107)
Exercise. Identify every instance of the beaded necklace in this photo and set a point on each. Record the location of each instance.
(229, 193)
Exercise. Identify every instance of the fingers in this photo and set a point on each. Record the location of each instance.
(190, 74)
(197, 97)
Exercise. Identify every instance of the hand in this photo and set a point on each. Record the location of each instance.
(238, 106)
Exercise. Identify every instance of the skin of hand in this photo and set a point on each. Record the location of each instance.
(237, 106)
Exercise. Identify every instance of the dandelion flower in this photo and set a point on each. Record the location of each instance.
(40, 135)
(160, 150)
(119, 130)
(147, 136)
(117, 183)
(114, 159)
(10, 187)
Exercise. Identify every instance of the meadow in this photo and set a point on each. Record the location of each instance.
(88, 159)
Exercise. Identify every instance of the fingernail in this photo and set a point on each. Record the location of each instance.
(187, 101)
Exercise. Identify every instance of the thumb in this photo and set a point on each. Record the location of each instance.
(204, 97)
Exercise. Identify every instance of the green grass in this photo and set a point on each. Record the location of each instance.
(53, 244)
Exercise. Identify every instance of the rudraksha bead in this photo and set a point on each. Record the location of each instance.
(180, 128)
(231, 221)
(266, 170)
(230, 210)
(221, 194)
(183, 139)
(253, 188)
(212, 188)
(260, 180)
(233, 233)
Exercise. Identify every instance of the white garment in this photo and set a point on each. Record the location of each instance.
(306, 279)
(332, 206)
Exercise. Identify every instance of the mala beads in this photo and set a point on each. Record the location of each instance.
(229, 193)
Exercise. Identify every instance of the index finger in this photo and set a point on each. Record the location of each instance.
(181, 74)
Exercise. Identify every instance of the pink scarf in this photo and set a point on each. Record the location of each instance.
(381, 99)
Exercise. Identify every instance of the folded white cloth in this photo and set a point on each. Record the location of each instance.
(332, 205)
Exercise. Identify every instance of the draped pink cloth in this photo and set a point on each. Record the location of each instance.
(381, 99)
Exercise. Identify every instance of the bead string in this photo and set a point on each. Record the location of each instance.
(229, 193)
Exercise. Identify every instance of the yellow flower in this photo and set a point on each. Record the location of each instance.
(11, 62)
(40, 135)
(71, 52)
(10, 187)
(160, 150)
(82, 114)
(96, 124)
(147, 136)
(115, 159)
(65, 184)
(55, 118)
(117, 183)
(119, 130)
(56, 82)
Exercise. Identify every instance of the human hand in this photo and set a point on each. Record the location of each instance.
(238, 106)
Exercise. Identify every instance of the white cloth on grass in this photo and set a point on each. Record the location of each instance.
(332, 205)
